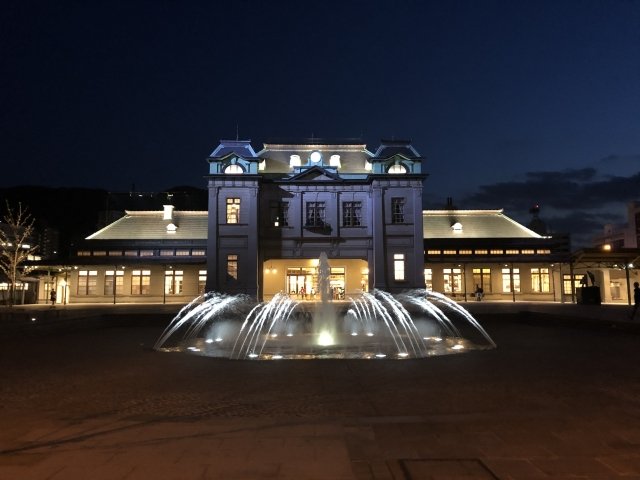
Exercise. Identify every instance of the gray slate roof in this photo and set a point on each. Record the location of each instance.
(149, 225)
(475, 224)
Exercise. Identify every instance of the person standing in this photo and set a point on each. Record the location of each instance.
(636, 299)
(479, 293)
(53, 297)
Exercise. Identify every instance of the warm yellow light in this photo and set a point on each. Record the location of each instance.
(315, 262)
(365, 271)
(606, 247)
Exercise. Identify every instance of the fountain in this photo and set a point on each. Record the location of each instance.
(414, 324)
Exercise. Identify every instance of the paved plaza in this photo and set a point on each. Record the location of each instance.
(558, 399)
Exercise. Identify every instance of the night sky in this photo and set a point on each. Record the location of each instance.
(511, 102)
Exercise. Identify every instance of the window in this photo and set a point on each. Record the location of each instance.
(398, 266)
(567, 283)
(84, 253)
(112, 277)
(433, 252)
(482, 277)
(544, 251)
(452, 280)
(87, 282)
(182, 252)
(99, 253)
(507, 275)
(233, 210)
(351, 214)
(449, 252)
(202, 281)
(315, 214)
(540, 280)
(511, 252)
(131, 253)
(428, 279)
(397, 210)
(497, 251)
(481, 252)
(528, 251)
(279, 214)
(173, 280)
(233, 169)
(198, 252)
(146, 253)
(140, 282)
(167, 253)
(115, 253)
(397, 169)
(232, 267)
(465, 252)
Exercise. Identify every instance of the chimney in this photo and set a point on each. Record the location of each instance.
(167, 214)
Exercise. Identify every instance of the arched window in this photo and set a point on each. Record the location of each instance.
(397, 168)
(233, 168)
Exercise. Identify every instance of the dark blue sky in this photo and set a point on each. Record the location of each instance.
(510, 101)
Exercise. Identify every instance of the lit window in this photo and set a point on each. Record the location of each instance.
(465, 252)
(131, 253)
(315, 214)
(449, 252)
(232, 267)
(544, 251)
(140, 282)
(334, 161)
(433, 252)
(198, 252)
(112, 277)
(99, 253)
(497, 252)
(511, 252)
(397, 169)
(456, 227)
(167, 253)
(233, 210)
(84, 253)
(481, 252)
(234, 168)
(528, 251)
(173, 280)
(398, 266)
(509, 275)
(428, 279)
(540, 280)
(202, 281)
(115, 253)
(482, 277)
(182, 252)
(351, 214)
(87, 282)
(146, 253)
(397, 210)
(294, 161)
(568, 286)
(452, 279)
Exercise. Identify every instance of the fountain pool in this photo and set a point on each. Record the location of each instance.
(376, 325)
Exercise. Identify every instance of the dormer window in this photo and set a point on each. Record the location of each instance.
(456, 227)
(368, 166)
(171, 228)
(234, 168)
(397, 168)
(294, 161)
(334, 161)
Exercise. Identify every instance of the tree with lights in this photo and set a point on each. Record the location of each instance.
(16, 232)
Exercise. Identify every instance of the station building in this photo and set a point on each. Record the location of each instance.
(273, 213)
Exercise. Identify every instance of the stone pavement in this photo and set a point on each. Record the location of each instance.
(558, 399)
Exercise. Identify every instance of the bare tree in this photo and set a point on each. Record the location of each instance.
(16, 233)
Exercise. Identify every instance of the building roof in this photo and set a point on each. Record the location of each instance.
(149, 225)
(461, 224)
(242, 148)
(390, 148)
(353, 156)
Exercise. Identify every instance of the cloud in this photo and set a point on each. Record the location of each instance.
(577, 201)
